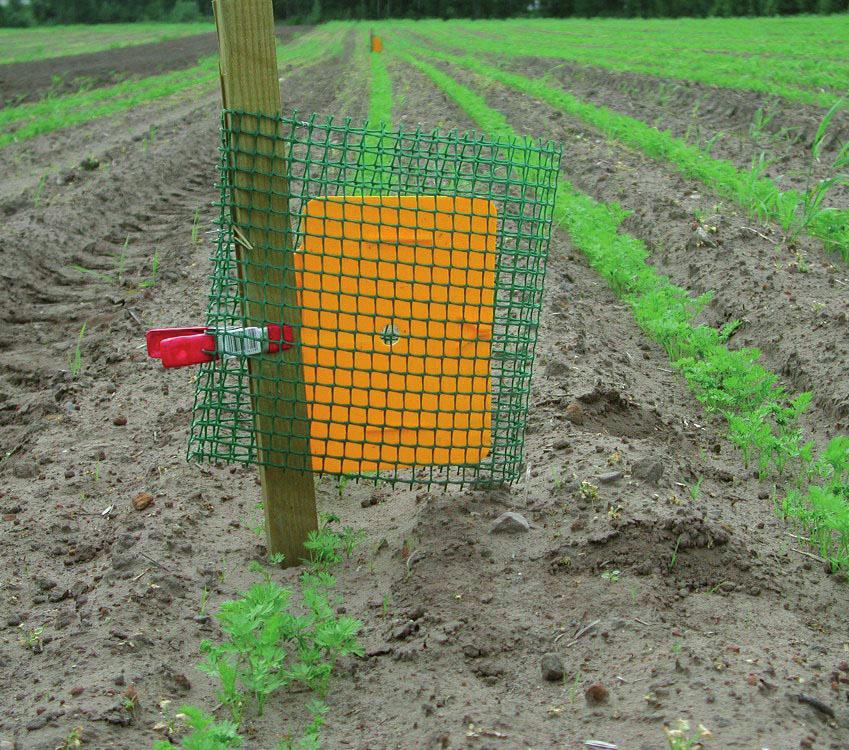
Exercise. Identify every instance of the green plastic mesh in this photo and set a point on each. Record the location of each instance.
(414, 293)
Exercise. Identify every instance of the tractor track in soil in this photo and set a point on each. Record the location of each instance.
(715, 616)
(70, 460)
(800, 321)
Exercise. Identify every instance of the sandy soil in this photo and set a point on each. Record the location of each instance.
(714, 614)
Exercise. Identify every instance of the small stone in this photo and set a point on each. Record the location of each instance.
(416, 613)
(37, 723)
(649, 469)
(182, 682)
(575, 413)
(25, 470)
(142, 500)
(78, 690)
(610, 477)
(45, 584)
(596, 694)
(120, 420)
(14, 620)
(8, 745)
(700, 238)
(405, 630)
(510, 523)
(562, 444)
(119, 680)
(63, 619)
(552, 667)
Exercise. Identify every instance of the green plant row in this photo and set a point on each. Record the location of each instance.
(37, 118)
(766, 75)
(270, 645)
(796, 211)
(790, 37)
(806, 75)
(762, 418)
(25, 45)
(275, 641)
(380, 97)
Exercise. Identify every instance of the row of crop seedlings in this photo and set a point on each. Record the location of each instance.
(803, 80)
(762, 417)
(275, 638)
(796, 211)
(27, 121)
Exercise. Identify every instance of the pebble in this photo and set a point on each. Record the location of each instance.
(700, 238)
(552, 667)
(575, 413)
(142, 500)
(561, 444)
(37, 723)
(405, 630)
(25, 470)
(596, 693)
(510, 523)
(609, 477)
(120, 420)
(8, 745)
(650, 469)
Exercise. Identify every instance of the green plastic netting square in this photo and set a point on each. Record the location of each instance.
(413, 291)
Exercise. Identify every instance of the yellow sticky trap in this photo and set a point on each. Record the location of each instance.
(397, 297)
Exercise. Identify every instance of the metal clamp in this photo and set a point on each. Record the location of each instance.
(181, 347)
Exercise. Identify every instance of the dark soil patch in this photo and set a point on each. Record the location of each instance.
(30, 81)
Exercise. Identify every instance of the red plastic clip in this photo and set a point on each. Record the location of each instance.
(180, 347)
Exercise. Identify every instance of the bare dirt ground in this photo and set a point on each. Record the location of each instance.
(30, 81)
(707, 611)
(738, 125)
(794, 305)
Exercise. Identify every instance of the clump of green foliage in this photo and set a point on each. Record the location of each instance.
(822, 508)
(274, 640)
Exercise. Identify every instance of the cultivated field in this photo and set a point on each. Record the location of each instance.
(687, 485)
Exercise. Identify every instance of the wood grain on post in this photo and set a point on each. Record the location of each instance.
(249, 83)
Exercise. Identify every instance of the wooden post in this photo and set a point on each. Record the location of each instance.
(249, 82)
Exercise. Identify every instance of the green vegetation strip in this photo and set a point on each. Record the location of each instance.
(275, 641)
(795, 211)
(25, 45)
(794, 80)
(37, 118)
(380, 98)
(762, 418)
